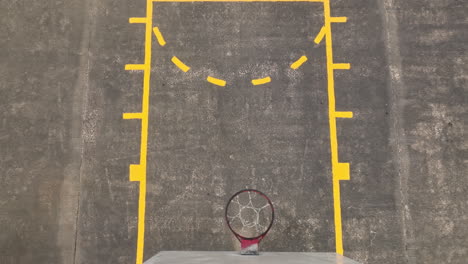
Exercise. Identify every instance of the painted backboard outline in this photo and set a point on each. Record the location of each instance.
(340, 171)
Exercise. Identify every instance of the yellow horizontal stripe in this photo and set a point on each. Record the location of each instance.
(134, 67)
(341, 66)
(261, 81)
(299, 62)
(135, 20)
(132, 115)
(344, 114)
(338, 19)
(159, 36)
(216, 81)
(180, 64)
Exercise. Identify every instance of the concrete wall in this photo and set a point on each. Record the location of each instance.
(65, 196)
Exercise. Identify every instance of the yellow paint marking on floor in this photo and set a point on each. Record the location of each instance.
(320, 35)
(159, 36)
(238, 1)
(299, 62)
(180, 64)
(137, 172)
(136, 20)
(216, 81)
(135, 67)
(132, 116)
(340, 171)
(261, 81)
(344, 114)
(341, 66)
(338, 19)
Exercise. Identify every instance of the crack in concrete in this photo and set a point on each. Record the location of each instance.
(71, 188)
(397, 138)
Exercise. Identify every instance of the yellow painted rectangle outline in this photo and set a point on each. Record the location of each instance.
(338, 169)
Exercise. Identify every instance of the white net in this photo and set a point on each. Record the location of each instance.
(249, 214)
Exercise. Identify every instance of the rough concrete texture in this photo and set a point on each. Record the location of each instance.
(65, 149)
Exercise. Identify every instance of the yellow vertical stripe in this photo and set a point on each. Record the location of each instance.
(333, 135)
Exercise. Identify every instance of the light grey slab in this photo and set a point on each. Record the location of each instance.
(230, 257)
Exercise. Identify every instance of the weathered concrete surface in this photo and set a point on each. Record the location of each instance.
(39, 128)
(432, 106)
(218, 140)
(65, 150)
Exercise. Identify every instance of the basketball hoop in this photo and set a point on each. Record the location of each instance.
(249, 215)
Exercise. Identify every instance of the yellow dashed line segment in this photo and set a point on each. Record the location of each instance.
(261, 81)
(299, 62)
(320, 35)
(159, 36)
(216, 81)
(180, 64)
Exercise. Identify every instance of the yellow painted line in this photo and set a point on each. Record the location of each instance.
(238, 1)
(340, 171)
(299, 62)
(180, 64)
(159, 36)
(216, 81)
(136, 20)
(320, 35)
(135, 67)
(344, 114)
(132, 116)
(137, 172)
(338, 19)
(341, 66)
(261, 81)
